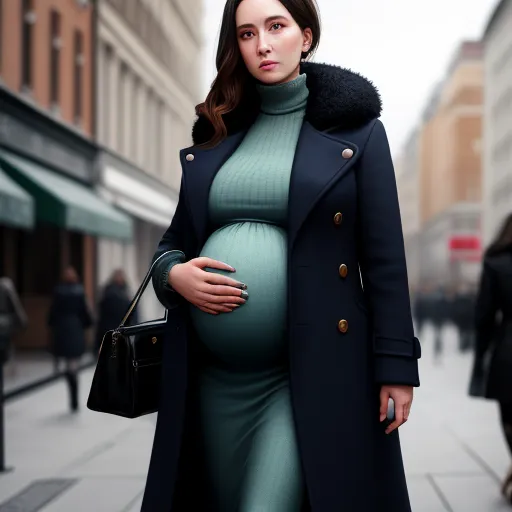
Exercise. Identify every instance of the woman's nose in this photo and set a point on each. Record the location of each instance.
(263, 47)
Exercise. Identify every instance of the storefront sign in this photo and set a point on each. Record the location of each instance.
(465, 248)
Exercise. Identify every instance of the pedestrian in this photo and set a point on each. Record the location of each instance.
(113, 305)
(463, 315)
(437, 312)
(69, 317)
(492, 369)
(419, 304)
(278, 367)
(13, 317)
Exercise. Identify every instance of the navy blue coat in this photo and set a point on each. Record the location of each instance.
(349, 463)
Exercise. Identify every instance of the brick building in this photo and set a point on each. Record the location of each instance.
(450, 172)
(50, 213)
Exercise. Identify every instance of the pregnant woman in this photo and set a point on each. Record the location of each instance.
(278, 365)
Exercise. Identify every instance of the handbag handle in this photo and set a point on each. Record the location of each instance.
(141, 290)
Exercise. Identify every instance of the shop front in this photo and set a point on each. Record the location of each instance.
(450, 247)
(151, 205)
(50, 214)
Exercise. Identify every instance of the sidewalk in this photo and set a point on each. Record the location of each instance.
(453, 448)
(26, 367)
(98, 461)
(454, 451)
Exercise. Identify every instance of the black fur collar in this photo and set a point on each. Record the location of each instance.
(338, 97)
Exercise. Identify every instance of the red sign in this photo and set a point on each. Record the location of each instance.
(465, 248)
(464, 243)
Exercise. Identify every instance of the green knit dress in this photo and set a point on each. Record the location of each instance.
(246, 421)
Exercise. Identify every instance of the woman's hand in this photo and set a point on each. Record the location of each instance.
(402, 396)
(210, 292)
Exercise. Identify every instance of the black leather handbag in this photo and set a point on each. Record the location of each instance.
(127, 378)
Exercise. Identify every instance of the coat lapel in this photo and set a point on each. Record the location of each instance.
(199, 169)
(318, 164)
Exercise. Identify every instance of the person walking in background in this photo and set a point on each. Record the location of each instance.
(12, 316)
(492, 370)
(420, 307)
(113, 305)
(463, 315)
(437, 312)
(287, 192)
(68, 319)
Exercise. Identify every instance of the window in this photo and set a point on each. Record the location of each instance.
(134, 123)
(55, 47)
(28, 17)
(78, 65)
(105, 92)
(150, 153)
(159, 135)
(121, 107)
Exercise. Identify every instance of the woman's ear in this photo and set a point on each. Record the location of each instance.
(307, 35)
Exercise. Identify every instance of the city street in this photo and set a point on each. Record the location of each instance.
(453, 448)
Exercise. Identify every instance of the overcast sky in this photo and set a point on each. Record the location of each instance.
(403, 46)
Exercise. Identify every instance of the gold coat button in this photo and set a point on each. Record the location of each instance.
(343, 270)
(190, 157)
(347, 153)
(338, 218)
(343, 326)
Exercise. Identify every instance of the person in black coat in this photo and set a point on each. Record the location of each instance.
(420, 307)
(492, 371)
(463, 316)
(347, 335)
(113, 305)
(68, 319)
(13, 316)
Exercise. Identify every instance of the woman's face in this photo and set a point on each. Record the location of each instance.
(270, 41)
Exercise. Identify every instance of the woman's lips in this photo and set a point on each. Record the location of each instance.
(269, 67)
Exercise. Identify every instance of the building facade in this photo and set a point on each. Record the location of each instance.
(450, 173)
(408, 184)
(497, 140)
(148, 84)
(51, 216)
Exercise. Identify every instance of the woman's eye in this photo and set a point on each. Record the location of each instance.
(276, 26)
(244, 35)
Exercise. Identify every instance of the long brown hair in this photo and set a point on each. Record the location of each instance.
(233, 78)
(503, 241)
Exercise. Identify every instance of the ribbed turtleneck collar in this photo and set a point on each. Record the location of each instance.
(284, 98)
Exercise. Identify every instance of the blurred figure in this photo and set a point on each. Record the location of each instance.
(12, 316)
(463, 315)
(420, 307)
(12, 319)
(68, 319)
(113, 305)
(436, 312)
(492, 371)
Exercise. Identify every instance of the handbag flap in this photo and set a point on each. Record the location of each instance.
(146, 343)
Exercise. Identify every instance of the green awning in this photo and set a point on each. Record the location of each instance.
(62, 201)
(16, 206)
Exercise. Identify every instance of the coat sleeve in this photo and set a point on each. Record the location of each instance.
(486, 309)
(173, 240)
(383, 265)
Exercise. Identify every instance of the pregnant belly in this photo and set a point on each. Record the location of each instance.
(254, 333)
